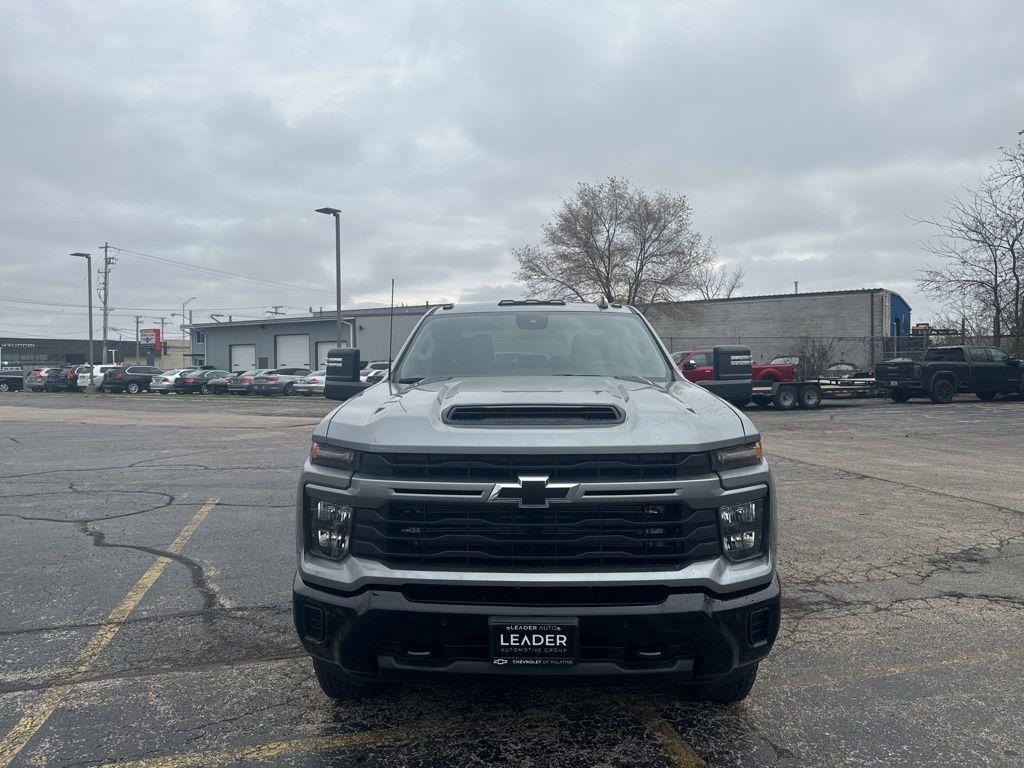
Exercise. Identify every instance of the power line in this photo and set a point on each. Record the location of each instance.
(218, 272)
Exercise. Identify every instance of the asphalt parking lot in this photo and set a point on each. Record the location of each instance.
(146, 553)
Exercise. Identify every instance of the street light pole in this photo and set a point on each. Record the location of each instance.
(337, 261)
(88, 269)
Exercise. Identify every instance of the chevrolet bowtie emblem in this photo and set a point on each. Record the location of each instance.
(534, 491)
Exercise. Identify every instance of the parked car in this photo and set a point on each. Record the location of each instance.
(847, 371)
(377, 370)
(11, 379)
(312, 384)
(97, 375)
(219, 386)
(944, 371)
(63, 379)
(698, 366)
(164, 383)
(242, 384)
(280, 381)
(192, 382)
(36, 379)
(129, 378)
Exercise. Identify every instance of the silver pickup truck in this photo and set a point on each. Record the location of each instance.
(536, 494)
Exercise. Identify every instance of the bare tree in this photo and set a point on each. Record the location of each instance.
(815, 354)
(615, 241)
(717, 281)
(980, 244)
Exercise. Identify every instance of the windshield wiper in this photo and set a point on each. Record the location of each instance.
(621, 377)
(422, 379)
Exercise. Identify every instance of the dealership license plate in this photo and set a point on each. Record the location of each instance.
(894, 383)
(527, 642)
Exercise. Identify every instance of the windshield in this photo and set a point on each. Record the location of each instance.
(533, 344)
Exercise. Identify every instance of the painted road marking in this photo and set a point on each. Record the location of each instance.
(32, 721)
(312, 745)
(672, 744)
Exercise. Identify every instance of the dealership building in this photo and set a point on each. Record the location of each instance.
(301, 341)
(35, 352)
(859, 326)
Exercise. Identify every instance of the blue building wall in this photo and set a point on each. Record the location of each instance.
(899, 312)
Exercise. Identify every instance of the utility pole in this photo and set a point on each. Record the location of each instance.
(138, 352)
(163, 321)
(108, 262)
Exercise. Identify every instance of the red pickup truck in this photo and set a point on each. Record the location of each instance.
(697, 366)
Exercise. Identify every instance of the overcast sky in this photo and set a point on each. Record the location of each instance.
(805, 134)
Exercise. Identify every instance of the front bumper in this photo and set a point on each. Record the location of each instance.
(682, 637)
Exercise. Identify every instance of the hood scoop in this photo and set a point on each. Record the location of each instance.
(533, 415)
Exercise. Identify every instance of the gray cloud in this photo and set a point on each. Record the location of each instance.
(807, 135)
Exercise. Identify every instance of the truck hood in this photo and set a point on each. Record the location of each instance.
(678, 416)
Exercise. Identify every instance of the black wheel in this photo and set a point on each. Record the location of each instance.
(289, 389)
(986, 397)
(736, 689)
(761, 401)
(809, 397)
(204, 390)
(132, 388)
(899, 395)
(335, 687)
(4, 386)
(785, 398)
(738, 403)
(164, 392)
(942, 391)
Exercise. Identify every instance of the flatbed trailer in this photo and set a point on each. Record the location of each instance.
(787, 395)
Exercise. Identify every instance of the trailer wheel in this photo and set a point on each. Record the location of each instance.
(942, 391)
(809, 396)
(785, 398)
(899, 396)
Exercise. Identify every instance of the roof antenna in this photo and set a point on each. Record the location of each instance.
(391, 330)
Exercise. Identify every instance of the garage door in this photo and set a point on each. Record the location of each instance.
(292, 351)
(322, 348)
(243, 357)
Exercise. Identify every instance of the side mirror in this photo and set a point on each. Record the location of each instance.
(690, 365)
(1013, 361)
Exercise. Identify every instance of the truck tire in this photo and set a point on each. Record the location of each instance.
(4, 386)
(986, 397)
(761, 401)
(809, 397)
(785, 398)
(336, 688)
(942, 391)
(733, 691)
(899, 395)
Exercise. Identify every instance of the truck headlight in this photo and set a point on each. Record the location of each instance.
(333, 456)
(742, 528)
(330, 528)
(738, 456)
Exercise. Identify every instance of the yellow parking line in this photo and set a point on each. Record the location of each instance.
(311, 745)
(674, 746)
(32, 721)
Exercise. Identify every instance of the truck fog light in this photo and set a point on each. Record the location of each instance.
(331, 527)
(742, 529)
(739, 543)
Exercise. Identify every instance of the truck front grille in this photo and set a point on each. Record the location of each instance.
(562, 537)
(500, 467)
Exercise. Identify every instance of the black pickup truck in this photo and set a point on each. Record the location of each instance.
(945, 371)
